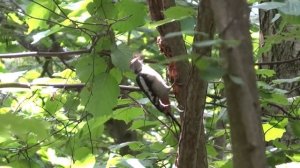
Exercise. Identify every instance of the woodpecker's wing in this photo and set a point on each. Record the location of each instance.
(146, 86)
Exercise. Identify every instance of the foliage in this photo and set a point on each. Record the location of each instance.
(43, 125)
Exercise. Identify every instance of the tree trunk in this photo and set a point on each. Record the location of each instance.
(192, 149)
(232, 22)
(286, 50)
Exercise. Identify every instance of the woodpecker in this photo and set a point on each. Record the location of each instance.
(153, 86)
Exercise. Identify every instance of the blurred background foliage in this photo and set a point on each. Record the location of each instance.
(74, 102)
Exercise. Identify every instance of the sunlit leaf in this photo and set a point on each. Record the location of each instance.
(266, 73)
(272, 133)
(39, 13)
(10, 123)
(67, 74)
(84, 158)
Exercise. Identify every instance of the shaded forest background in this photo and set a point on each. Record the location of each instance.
(69, 99)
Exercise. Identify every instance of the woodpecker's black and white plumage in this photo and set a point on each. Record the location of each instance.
(153, 85)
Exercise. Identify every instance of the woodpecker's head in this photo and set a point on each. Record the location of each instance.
(136, 64)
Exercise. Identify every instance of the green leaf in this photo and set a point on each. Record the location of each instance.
(117, 74)
(209, 68)
(223, 163)
(211, 151)
(35, 10)
(55, 103)
(295, 157)
(175, 13)
(276, 98)
(90, 66)
(265, 73)
(179, 12)
(102, 9)
(292, 80)
(128, 114)
(16, 125)
(272, 133)
(84, 158)
(131, 15)
(66, 74)
(121, 57)
(141, 124)
(100, 96)
(295, 125)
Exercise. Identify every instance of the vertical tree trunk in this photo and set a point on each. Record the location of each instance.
(189, 89)
(232, 22)
(192, 149)
(286, 50)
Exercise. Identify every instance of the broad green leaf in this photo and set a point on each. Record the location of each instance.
(173, 14)
(55, 103)
(292, 80)
(211, 151)
(209, 68)
(140, 124)
(89, 66)
(101, 95)
(295, 125)
(37, 11)
(295, 157)
(128, 114)
(17, 125)
(276, 98)
(117, 74)
(32, 74)
(223, 163)
(266, 73)
(94, 128)
(103, 9)
(131, 15)
(84, 158)
(272, 133)
(66, 74)
(179, 12)
(121, 57)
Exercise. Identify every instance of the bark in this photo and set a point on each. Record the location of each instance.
(281, 52)
(192, 150)
(171, 47)
(285, 50)
(232, 22)
(189, 89)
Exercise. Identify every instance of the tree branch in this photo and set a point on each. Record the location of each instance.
(43, 54)
(278, 62)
